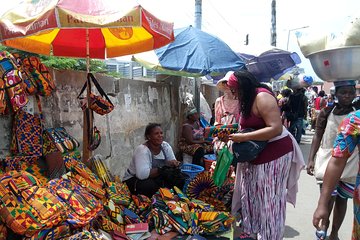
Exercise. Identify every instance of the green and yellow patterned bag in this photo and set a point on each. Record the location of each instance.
(82, 206)
(25, 207)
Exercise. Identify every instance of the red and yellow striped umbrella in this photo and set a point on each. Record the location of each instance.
(83, 28)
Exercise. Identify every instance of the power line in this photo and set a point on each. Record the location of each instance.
(222, 17)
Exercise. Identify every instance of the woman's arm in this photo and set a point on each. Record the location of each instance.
(143, 160)
(170, 156)
(218, 111)
(344, 145)
(315, 144)
(188, 135)
(332, 175)
(266, 107)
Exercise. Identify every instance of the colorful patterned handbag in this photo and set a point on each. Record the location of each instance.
(82, 206)
(63, 141)
(27, 134)
(59, 232)
(30, 85)
(86, 234)
(115, 212)
(39, 74)
(12, 93)
(26, 208)
(82, 175)
(72, 156)
(16, 162)
(220, 130)
(108, 225)
(34, 165)
(119, 193)
(99, 104)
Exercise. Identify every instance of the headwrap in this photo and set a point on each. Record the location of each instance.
(345, 83)
(233, 82)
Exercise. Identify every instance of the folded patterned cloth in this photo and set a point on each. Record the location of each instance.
(220, 130)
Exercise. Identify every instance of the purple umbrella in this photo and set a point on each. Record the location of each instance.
(270, 64)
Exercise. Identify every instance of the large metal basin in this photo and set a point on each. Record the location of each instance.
(337, 64)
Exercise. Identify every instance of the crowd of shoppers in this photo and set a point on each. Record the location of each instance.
(271, 178)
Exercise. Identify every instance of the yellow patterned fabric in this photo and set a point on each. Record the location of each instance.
(26, 207)
(84, 177)
(83, 207)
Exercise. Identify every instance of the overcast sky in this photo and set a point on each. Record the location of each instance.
(231, 20)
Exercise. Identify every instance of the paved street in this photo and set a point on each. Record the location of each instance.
(299, 219)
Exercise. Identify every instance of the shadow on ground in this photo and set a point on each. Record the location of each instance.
(290, 232)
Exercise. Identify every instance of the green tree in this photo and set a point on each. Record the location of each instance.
(63, 63)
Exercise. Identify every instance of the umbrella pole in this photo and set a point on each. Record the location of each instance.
(88, 121)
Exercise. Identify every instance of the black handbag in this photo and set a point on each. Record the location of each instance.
(172, 176)
(247, 151)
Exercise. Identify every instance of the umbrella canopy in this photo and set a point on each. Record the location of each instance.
(194, 53)
(83, 28)
(271, 64)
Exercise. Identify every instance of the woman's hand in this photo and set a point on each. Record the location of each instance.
(173, 163)
(321, 218)
(310, 167)
(238, 137)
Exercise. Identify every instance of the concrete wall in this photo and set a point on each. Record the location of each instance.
(136, 104)
(210, 93)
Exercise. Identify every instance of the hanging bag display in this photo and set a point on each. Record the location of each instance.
(27, 134)
(94, 136)
(39, 75)
(64, 142)
(30, 85)
(99, 104)
(12, 94)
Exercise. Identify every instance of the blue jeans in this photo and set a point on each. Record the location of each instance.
(295, 128)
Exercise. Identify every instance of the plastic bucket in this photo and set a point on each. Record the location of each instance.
(208, 160)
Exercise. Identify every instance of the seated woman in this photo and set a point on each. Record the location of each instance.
(192, 141)
(143, 175)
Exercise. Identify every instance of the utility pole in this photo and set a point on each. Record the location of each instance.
(273, 23)
(198, 13)
(198, 18)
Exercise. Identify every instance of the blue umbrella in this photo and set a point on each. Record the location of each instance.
(271, 64)
(195, 51)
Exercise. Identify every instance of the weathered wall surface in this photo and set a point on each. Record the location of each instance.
(210, 93)
(136, 104)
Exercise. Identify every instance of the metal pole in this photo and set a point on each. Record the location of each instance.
(198, 13)
(273, 23)
(198, 19)
(287, 44)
